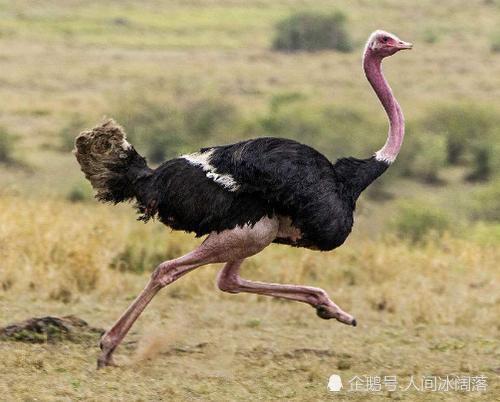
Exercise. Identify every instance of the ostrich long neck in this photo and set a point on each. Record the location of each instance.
(372, 65)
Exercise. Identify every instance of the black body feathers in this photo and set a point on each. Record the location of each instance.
(188, 200)
(225, 186)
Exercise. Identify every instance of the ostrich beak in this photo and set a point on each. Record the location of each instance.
(404, 45)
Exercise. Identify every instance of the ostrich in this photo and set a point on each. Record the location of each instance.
(244, 196)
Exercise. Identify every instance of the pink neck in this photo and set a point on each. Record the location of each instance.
(372, 65)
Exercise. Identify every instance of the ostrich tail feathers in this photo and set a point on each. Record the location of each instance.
(110, 163)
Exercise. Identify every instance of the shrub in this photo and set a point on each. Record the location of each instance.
(80, 192)
(495, 43)
(486, 203)
(138, 256)
(6, 146)
(294, 121)
(423, 155)
(137, 259)
(471, 132)
(153, 126)
(311, 31)
(349, 132)
(208, 117)
(416, 222)
(74, 126)
(284, 99)
(335, 131)
(461, 125)
(481, 164)
(163, 129)
(430, 36)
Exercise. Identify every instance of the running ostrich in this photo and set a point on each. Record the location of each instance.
(244, 196)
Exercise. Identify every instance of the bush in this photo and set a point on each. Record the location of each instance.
(460, 124)
(495, 44)
(74, 126)
(335, 131)
(283, 99)
(471, 132)
(481, 164)
(138, 256)
(6, 147)
(153, 127)
(350, 132)
(430, 36)
(423, 155)
(137, 259)
(486, 203)
(295, 122)
(80, 192)
(312, 31)
(163, 129)
(208, 117)
(416, 222)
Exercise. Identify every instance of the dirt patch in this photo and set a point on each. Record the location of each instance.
(51, 329)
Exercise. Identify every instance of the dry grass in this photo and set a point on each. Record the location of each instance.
(429, 310)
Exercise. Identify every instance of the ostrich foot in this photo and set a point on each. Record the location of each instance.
(327, 312)
(106, 357)
(105, 361)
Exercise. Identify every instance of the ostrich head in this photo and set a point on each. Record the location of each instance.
(384, 44)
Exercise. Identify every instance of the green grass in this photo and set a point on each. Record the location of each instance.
(174, 26)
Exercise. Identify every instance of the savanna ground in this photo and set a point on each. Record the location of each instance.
(427, 301)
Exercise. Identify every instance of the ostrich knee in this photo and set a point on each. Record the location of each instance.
(163, 275)
(228, 283)
(108, 342)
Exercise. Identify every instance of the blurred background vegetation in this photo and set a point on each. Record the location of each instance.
(180, 76)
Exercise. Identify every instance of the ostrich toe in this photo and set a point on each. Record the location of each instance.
(327, 312)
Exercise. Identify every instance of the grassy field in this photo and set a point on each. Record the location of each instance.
(427, 308)
(430, 310)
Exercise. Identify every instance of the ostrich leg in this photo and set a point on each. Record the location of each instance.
(165, 273)
(229, 245)
(230, 281)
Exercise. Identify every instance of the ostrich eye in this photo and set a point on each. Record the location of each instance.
(385, 39)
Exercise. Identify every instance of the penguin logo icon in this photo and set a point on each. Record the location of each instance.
(334, 383)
